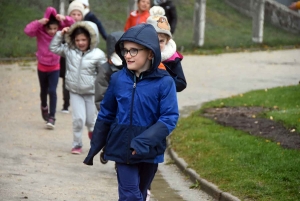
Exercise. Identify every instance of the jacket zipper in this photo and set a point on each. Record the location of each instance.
(78, 76)
(131, 109)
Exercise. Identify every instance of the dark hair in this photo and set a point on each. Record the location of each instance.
(80, 30)
(52, 20)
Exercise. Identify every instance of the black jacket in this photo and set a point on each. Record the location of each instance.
(91, 17)
(171, 14)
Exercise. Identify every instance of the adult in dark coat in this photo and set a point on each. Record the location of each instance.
(170, 10)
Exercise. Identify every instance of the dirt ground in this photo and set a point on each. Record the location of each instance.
(245, 119)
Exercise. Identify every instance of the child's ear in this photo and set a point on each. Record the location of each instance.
(150, 55)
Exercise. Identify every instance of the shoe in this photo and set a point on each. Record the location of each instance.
(65, 111)
(45, 113)
(148, 195)
(50, 123)
(102, 160)
(90, 134)
(76, 150)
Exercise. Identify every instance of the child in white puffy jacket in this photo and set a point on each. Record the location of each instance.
(83, 59)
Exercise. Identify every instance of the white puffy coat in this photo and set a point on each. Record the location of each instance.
(82, 68)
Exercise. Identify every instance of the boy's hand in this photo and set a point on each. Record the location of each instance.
(65, 30)
(134, 152)
(60, 17)
(43, 21)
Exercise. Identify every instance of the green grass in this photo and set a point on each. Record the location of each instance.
(226, 29)
(249, 167)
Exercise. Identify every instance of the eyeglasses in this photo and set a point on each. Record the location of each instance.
(133, 51)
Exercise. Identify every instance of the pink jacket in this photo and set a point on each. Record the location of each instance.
(36, 29)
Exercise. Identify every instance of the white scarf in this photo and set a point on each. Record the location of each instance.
(169, 50)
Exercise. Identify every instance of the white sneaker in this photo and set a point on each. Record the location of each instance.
(65, 111)
(148, 195)
(50, 123)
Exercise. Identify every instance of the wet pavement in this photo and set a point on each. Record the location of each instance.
(36, 163)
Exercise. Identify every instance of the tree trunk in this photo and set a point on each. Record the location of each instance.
(199, 22)
(258, 13)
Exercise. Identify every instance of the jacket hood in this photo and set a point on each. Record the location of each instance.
(90, 27)
(50, 11)
(143, 34)
(111, 41)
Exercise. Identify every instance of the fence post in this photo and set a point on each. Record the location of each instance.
(258, 13)
(199, 22)
(132, 5)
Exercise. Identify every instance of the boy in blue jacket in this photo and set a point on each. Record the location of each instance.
(138, 112)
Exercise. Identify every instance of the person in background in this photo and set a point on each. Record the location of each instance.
(138, 16)
(170, 57)
(89, 16)
(113, 65)
(83, 61)
(138, 112)
(75, 10)
(170, 12)
(48, 63)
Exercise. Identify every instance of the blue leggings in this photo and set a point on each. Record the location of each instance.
(134, 180)
(48, 84)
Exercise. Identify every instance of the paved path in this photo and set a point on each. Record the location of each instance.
(36, 163)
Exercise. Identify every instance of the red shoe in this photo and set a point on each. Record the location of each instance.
(76, 150)
(90, 135)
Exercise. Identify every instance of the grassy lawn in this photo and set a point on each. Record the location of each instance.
(249, 167)
(226, 29)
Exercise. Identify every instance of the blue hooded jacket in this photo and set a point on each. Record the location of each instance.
(136, 113)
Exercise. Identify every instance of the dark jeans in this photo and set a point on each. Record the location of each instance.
(66, 95)
(134, 180)
(48, 85)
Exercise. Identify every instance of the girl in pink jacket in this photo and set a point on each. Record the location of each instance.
(48, 62)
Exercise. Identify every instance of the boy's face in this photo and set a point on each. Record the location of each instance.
(76, 15)
(52, 29)
(82, 42)
(144, 5)
(138, 59)
(163, 40)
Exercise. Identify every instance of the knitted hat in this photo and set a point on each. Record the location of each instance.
(159, 21)
(75, 5)
(84, 2)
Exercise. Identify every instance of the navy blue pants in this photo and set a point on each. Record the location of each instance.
(48, 83)
(134, 180)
